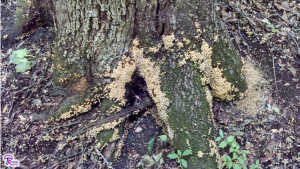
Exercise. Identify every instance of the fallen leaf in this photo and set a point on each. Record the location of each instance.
(276, 109)
(269, 149)
(292, 70)
(4, 109)
(269, 99)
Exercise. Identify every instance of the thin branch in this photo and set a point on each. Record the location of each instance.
(274, 73)
(41, 80)
(12, 105)
(103, 157)
(70, 124)
(144, 104)
(292, 36)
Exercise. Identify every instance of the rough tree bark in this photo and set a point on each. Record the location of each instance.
(179, 47)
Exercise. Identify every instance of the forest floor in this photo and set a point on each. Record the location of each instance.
(266, 122)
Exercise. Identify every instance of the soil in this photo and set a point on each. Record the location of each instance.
(271, 137)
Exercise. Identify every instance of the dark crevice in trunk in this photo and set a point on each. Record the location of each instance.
(162, 30)
(134, 32)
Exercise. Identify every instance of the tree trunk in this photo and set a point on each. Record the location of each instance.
(178, 47)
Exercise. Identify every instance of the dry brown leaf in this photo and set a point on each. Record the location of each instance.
(278, 6)
(4, 109)
(269, 149)
(269, 99)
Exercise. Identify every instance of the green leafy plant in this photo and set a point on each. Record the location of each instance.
(163, 138)
(179, 156)
(151, 144)
(273, 28)
(255, 165)
(18, 58)
(276, 109)
(152, 141)
(237, 161)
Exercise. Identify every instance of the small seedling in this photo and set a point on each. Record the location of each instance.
(256, 165)
(152, 141)
(238, 157)
(276, 109)
(274, 28)
(179, 156)
(163, 138)
(18, 58)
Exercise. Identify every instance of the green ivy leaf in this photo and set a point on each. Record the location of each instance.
(236, 166)
(173, 156)
(234, 156)
(223, 144)
(18, 57)
(237, 147)
(218, 138)
(183, 163)
(234, 144)
(270, 26)
(187, 152)
(163, 138)
(221, 133)
(224, 158)
(241, 160)
(21, 53)
(231, 149)
(275, 30)
(229, 139)
(278, 25)
(178, 160)
(151, 144)
(157, 157)
(276, 109)
(257, 162)
(179, 153)
(23, 65)
(13, 59)
(228, 157)
(229, 165)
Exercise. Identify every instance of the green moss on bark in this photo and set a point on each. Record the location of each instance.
(65, 106)
(226, 57)
(189, 112)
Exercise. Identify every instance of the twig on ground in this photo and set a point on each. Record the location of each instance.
(239, 30)
(4, 88)
(292, 36)
(274, 72)
(287, 21)
(69, 157)
(60, 162)
(103, 157)
(41, 80)
(12, 105)
(12, 117)
(70, 124)
(144, 104)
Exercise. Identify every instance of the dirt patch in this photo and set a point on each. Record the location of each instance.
(256, 90)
